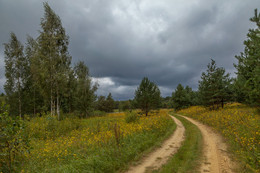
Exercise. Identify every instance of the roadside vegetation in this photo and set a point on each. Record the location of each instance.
(188, 156)
(240, 125)
(98, 144)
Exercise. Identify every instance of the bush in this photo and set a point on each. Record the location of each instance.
(14, 142)
(131, 117)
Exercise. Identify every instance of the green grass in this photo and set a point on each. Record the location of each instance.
(188, 156)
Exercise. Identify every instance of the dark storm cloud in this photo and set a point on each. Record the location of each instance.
(168, 41)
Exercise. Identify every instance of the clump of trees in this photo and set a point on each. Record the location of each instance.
(40, 76)
(147, 96)
(216, 87)
(106, 104)
(183, 97)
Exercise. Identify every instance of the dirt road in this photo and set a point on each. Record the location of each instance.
(216, 159)
(160, 156)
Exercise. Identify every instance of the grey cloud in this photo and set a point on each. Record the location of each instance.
(168, 41)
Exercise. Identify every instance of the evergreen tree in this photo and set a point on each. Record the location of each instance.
(181, 98)
(147, 96)
(248, 67)
(85, 92)
(214, 86)
(15, 72)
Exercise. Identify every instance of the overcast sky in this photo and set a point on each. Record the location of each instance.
(169, 41)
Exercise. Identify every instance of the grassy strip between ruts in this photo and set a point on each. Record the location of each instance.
(188, 156)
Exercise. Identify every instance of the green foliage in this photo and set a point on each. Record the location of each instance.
(85, 93)
(40, 78)
(166, 102)
(124, 105)
(147, 96)
(33, 96)
(14, 142)
(16, 66)
(214, 87)
(131, 117)
(105, 104)
(248, 67)
(183, 97)
(110, 103)
(53, 59)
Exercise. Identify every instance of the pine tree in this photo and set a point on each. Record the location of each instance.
(147, 96)
(214, 86)
(182, 97)
(15, 72)
(248, 67)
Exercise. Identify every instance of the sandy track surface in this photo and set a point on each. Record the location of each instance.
(216, 159)
(161, 155)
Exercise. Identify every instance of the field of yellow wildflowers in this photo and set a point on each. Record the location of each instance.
(98, 144)
(239, 124)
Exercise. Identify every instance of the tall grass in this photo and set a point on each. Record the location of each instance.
(97, 144)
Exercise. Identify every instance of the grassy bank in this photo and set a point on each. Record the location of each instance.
(99, 144)
(240, 125)
(187, 157)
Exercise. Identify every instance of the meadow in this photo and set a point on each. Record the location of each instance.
(98, 144)
(239, 124)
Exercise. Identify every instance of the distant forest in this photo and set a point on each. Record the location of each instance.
(41, 79)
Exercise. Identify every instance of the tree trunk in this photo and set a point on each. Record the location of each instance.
(58, 108)
(19, 98)
(34, 109)
(51, 102)
(58, 102)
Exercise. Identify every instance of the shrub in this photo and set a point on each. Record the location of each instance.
(14, 142)
(131, 117)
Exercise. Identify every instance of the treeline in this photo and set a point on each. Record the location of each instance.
(216, 87)
(40, 77)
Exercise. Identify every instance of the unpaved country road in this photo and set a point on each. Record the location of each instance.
(215, 156)
(160, 156)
